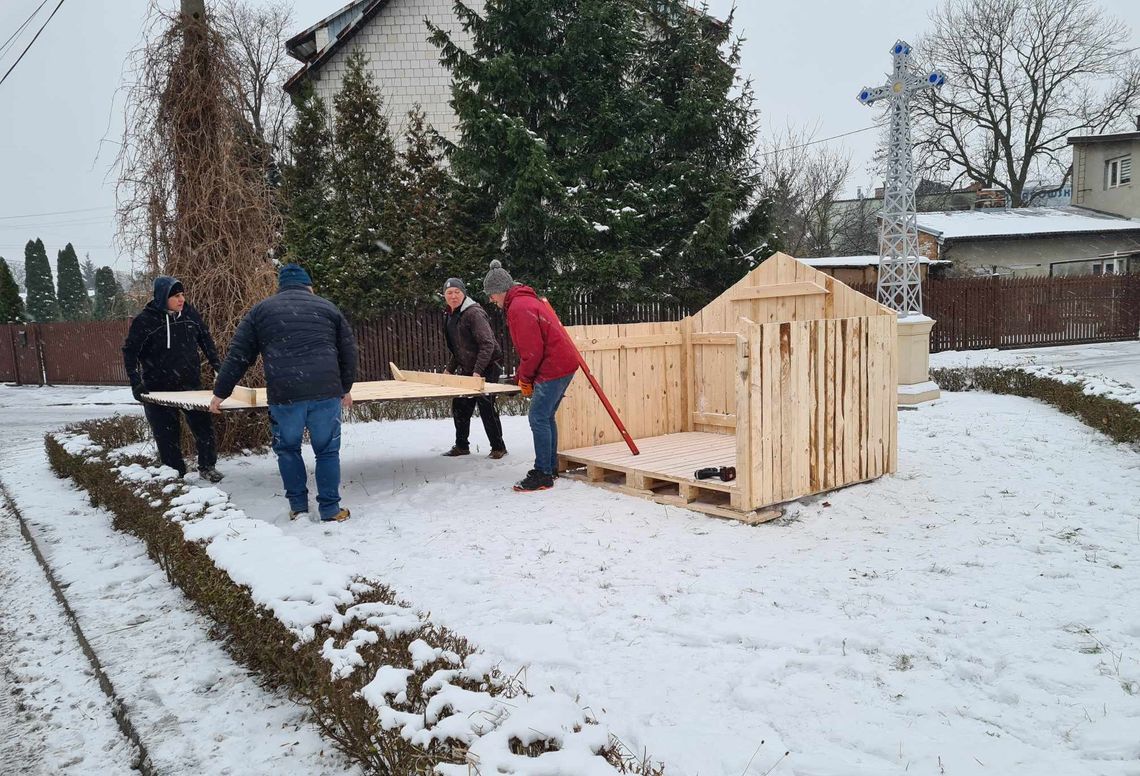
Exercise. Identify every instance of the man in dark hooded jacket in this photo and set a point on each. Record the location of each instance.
(161, 354)
(475, 352)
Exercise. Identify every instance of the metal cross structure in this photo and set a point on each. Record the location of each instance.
(900, 284)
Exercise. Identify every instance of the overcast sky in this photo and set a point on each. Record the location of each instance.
(60, 120)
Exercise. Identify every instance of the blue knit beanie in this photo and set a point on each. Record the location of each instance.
(293, 276)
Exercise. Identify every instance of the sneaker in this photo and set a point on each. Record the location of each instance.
(456, 450)
(535, 480)
(211, 474)
(300, 512)
(495, 455)
(339, 517)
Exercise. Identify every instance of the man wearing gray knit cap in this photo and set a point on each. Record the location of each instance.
(547, 363)
(474, 351)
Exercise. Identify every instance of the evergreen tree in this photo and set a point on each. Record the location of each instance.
(362, 275)
(429, 235)
(106, 291)
(703, 182)
(551, 127)
(306, 186)
(88, 270)
(11, 305)
(610, 144)
(73, 302)
(42, 304)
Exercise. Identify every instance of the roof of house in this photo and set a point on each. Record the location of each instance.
(342, 25)
(858, 261)
(1114, 138)
(1020, 222)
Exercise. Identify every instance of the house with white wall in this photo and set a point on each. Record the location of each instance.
(393, 34)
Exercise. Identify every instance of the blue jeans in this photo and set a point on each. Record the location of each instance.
(543, 404)
(289, 421)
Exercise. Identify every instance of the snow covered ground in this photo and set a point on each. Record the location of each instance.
(1117, 361)
(196, 711)
(974, 614)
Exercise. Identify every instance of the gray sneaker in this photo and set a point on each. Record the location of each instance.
(211, 474)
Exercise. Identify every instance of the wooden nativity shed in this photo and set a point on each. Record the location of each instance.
(789, 376)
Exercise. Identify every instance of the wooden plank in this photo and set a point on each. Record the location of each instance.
(741, 499)
(726, 338)
(623, 343)
(759, 487)
(438, 378)
(829, 367)
(723, 420)
(688, 379)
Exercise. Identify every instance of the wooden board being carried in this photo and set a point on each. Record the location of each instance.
(407, 386)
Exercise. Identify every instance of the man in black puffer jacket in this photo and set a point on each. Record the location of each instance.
(309, 355)
(474, 351)
(161, 354)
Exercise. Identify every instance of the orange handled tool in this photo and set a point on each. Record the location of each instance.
(594, 383)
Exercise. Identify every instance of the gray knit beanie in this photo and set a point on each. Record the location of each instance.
(455, 283)
(498, 280)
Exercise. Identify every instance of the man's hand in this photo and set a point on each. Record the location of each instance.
(216, 405)
(476, 374)
(526, 388)
(446, 371)
(137, 392)
(346, 401)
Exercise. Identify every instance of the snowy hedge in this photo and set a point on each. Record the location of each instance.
(395, 692)
(1109, 407)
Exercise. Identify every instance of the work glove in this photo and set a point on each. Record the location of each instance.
(526, 388)
(137, 391)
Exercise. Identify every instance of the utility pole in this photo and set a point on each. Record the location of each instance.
(195, 9)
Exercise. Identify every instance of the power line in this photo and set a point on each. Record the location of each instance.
(20, 29)
(55, 213)
(815, 142)
(33, 40)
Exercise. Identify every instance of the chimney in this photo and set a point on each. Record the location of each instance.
(1138, 123)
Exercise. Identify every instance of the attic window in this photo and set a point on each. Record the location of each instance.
(1118, 172)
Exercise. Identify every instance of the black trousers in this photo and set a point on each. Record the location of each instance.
(167, 430)
(464, 407)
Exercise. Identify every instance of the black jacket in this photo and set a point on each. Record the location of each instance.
(161, 351)
(305, 343)
(471, 340)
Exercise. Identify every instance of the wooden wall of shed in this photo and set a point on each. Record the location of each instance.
(639, 367)
(818, 404)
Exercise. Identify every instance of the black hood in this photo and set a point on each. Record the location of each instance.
(162, 286)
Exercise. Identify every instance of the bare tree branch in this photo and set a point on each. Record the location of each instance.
(1021, 76)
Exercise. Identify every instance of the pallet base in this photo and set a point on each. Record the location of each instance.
(663, 472)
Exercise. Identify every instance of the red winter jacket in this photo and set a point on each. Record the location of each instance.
(545, 350)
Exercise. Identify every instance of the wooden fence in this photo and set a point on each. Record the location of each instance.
(971, 313)
(1000, 312)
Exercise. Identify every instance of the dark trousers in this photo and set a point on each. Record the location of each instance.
(167, 430)
(463, 408)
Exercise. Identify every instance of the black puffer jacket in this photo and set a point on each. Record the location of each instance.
(471, 340)
(161, 351)
(306, 345)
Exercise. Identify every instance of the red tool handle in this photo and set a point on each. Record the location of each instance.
(594, 383)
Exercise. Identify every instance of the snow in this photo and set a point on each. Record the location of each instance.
(957, 224)
(1109, 369)
(971, 614)
(969, 611)
(195, 709)
(857, 261)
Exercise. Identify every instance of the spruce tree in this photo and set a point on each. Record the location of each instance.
(551, 120)
(702, 183)
(306, 186)
(362, 276)
(74, 304)
(89, 269)
(429, 235)
(106, 290)
(42, 304)
(11, 305)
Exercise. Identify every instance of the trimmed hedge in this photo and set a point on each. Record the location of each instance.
(256, 638)
(1118, 420)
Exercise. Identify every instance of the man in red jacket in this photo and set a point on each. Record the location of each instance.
(547, 363)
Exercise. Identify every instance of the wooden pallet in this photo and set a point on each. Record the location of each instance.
(664, 472)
